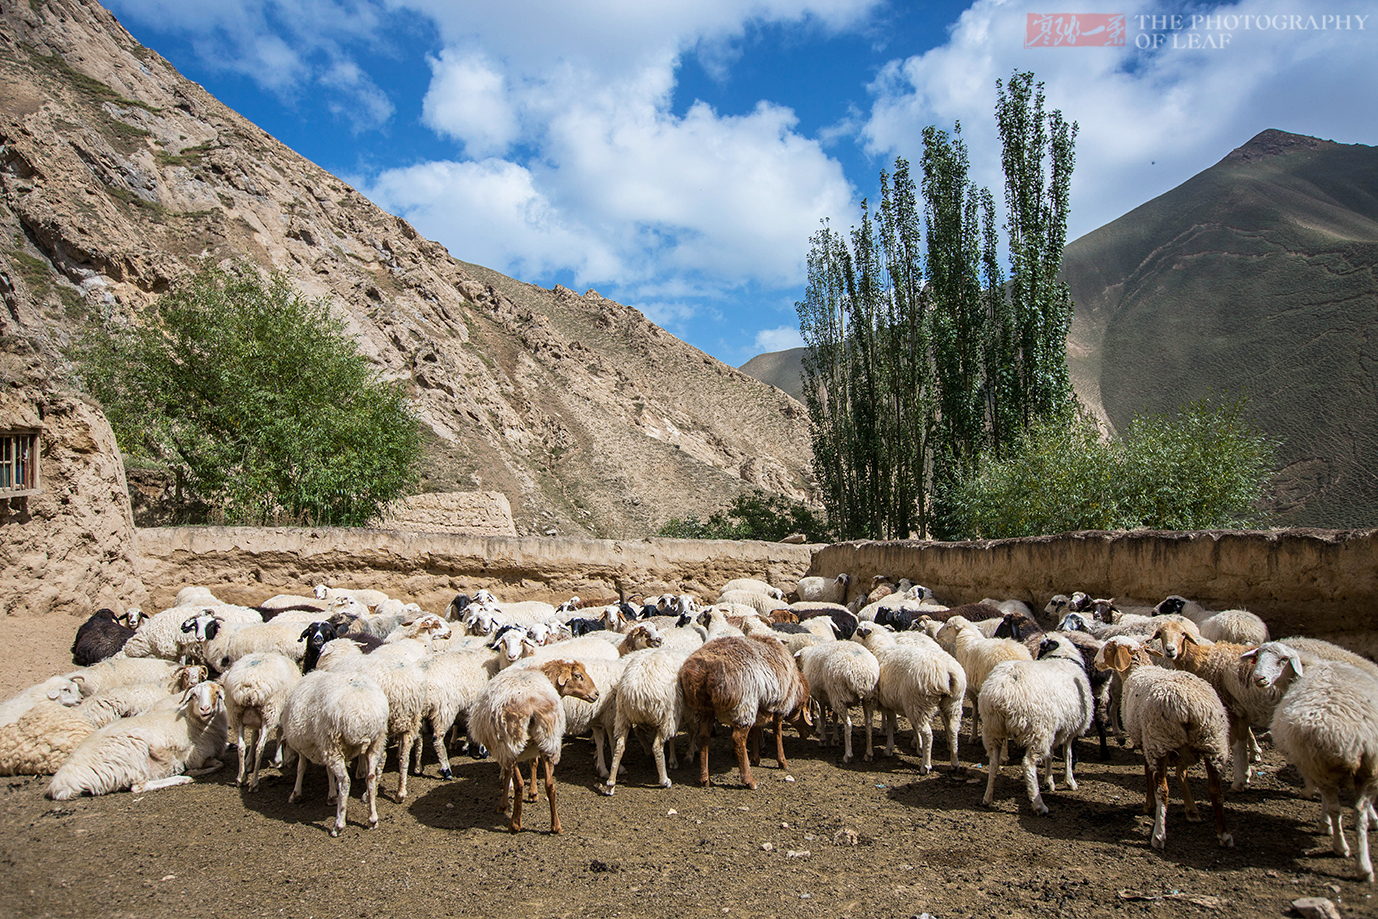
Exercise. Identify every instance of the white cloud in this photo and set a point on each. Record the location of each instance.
(468, 101)
(1149, 120)
(782, 339)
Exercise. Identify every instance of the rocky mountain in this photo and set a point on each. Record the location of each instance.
(1255, 277)
(118, 177)
(782, 369)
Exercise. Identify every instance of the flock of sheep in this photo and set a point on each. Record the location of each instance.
(337, 677)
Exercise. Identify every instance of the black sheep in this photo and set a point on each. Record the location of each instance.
(99, 637)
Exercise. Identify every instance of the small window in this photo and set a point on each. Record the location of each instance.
(18, 463)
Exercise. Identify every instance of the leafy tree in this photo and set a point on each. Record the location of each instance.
(260, 398)
(753, 515)
(1204, 466)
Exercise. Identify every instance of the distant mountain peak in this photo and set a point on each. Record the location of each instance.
(1273, 142)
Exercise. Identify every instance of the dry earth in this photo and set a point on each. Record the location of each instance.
(822, 840)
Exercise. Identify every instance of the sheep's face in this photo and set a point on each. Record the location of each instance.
(1080, 601)
(1056, 606)
(1172, 606)
(205, 700)
(320, 591)
(571, 679)
(1173, 639)
(1073, 622)
(1274, 666)
(135, 617)
(68, 694)
(1105, 610)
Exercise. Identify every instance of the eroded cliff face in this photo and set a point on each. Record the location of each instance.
(70, 548)
(118, 177)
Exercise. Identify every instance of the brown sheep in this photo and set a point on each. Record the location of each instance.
(740, 681)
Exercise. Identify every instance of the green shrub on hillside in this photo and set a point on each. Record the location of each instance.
(259, 397)
(1201, 467)
(756, 515)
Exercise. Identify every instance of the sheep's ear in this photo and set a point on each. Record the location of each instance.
(1249, 654)
(1152, 651)
(1294, 661)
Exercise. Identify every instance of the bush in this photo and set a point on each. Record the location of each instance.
(755, 515)
(259, 397)
(1201, 467)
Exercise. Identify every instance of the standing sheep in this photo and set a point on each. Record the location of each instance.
(978, 656)
(919, 678)
(1040, 705)
(256, 689)
(1327, 726)
(519, 717)
(843, 674)
(330, 718)
(648, 695)
(739, 680)
(1171, 714)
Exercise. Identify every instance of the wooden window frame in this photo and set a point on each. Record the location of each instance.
(19, 468)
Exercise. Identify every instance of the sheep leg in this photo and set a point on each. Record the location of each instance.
(515, 824)
(891, 723)
(339, 774)
(259, 749)
(1362, 807)
(754, 739)
(1031, 780)
(506, 787)
(1222, 833)
(740, 733)
(442, 752)
(923, 740)
(550, 793)
(242, 745)
(704, 728)
(1193, 815)
(1255, 751)
(663, 739)
(867, 710)
(952, 722)
(1238, 754)
(295, 796)
(1331, 798)
(1160, 793)
(533, 792)
(846, 737)
(405, 743)
(599, 761)
(993, 750)
(619, 747)
(1069, 757)
(777, 724)
(1148, 785)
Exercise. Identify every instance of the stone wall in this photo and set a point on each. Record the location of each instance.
(248, 564)
(1318, 582)
(458, 513)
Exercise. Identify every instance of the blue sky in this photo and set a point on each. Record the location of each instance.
(677, 155)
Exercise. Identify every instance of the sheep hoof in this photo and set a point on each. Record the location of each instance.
(666, 783)
(607, 789)
(1159, 842)
(514, 827)
(1227, 841)
(556, 831)
(293, 798)
(1193, 817)
(334, 831)
(446, 774)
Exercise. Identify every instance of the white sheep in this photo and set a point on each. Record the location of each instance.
(163, 636)
(108, 674)
(157, 749)
(519, 717)
(826, 590)
(648, 696)
(13, 708)
(1041, 705)
(1220, 665)
(752, 584)
(41, 739)
(227, 644)
(978, 656)
(1326, 724)
(454, 682)
(330, 718)
(1319, 649)
(126, 701)
(256, 689)
(1171, 714)
(754, 601)
(404, 684)
(1237, 626)
(369, 598)
(917, 677)
(842, 674)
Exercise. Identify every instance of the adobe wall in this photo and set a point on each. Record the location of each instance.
(1317, 582)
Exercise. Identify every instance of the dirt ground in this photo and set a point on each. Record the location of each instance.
(821, 840)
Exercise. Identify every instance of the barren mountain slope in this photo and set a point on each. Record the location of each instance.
(1255, 277)
(118, 176)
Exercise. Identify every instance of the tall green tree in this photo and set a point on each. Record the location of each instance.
(261, 399)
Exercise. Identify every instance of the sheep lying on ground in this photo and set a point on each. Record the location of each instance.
(330, 718)
(101, 636)
(740, 680)
(117, 671)
(154, 750)
(117, 702)
(752, 584)
(50, 690)
(1171, 714)
(40, 741)
(1327, 726)
(1040, 705)
(825, 590)
(519, 717)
